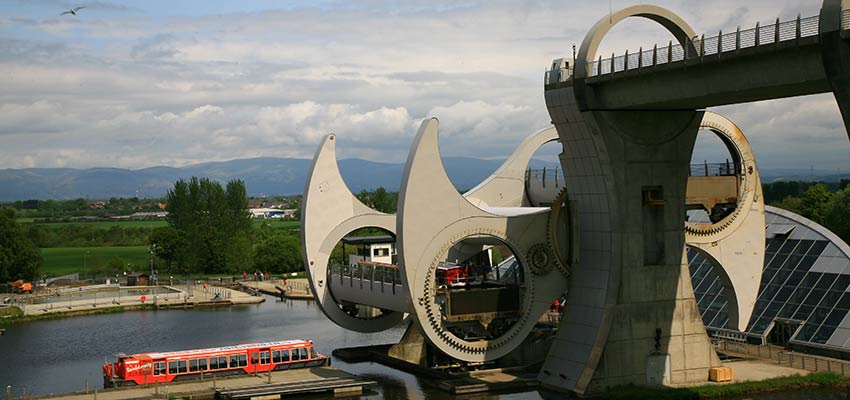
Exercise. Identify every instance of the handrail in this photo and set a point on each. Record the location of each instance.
(719, 44)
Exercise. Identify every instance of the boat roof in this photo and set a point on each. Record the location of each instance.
(220, 349)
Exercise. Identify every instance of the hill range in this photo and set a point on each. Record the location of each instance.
(264, 176)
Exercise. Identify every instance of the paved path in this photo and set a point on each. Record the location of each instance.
(167, 296)
(759, 370)
(295, 288)
(206, 387)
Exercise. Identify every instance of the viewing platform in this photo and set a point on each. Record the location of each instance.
(98, 297)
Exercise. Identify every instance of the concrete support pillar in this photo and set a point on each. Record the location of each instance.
(412, 347)
(626, 172)
(835, 54)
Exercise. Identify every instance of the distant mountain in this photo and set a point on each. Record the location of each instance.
(262, 176)
(776, 175)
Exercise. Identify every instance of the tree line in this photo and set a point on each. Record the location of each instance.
(19, 258)
(210, 232)
(828, 205)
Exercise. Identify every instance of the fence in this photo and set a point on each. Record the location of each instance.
(702, 46)
(713, 169)
(785, 357)
(706, 46)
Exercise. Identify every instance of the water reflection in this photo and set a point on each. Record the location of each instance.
(62, 355)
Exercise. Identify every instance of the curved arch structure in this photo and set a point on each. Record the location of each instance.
(433, 217)
(680, 29)
(735, 243)
(506, 187)
(331, 211)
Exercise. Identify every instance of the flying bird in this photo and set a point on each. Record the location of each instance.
(73, 11)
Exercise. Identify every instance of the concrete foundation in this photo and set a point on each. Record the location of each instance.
(411, 348)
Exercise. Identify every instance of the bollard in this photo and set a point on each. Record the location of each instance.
(9, 392)
(270, 376)
(95, 393)
(87, 385)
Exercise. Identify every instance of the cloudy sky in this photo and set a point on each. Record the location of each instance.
(136, 84)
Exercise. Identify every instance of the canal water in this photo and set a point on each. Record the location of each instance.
(57, 356)
(61, 355)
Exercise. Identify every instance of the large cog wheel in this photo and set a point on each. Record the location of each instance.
(557, 233)
(432, 309)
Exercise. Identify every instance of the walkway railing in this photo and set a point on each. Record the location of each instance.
(703, 46)
(366, 275)
(713, 169)
(782, 356)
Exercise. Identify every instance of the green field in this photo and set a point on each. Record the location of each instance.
(277, 223)
(105, 224)
(68, 260)
(274, 223)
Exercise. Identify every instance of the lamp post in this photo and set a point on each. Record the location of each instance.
(86, 262)
(152, 252)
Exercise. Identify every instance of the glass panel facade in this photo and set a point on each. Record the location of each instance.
(794, 286)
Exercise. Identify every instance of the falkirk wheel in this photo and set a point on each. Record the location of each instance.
(611, 243)
(436, 224)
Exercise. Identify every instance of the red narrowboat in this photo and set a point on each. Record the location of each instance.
(144, 368)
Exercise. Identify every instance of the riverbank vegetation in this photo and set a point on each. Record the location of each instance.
(817, 380)
(19, 257)
(826, 204)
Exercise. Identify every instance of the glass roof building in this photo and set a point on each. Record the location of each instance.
(804, 296)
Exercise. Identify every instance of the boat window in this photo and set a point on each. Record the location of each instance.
(172, 367)
(159, 368)
(264, 357)
(276, 356)
(234, 361)
(243, 360)
(202, 364)
(295, 355)
(303, 352)
(222, 362)
(312, 353)
(181, 367)
(255, 358)
(193, 365)
(213, 362)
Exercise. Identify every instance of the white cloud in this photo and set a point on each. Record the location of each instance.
(136, 89)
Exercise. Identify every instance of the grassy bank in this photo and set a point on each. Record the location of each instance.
(18, 317)
(274, 223)
(68, 260)
(817, 380)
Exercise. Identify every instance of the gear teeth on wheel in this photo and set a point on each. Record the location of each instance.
(559, 204)
(432, 308)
